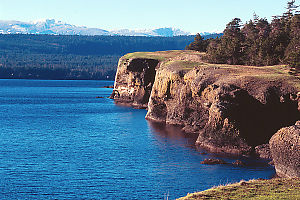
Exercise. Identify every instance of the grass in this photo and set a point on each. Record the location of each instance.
(182, 61)
(180, 64)
(161, 55)
(273, 189)
(276, 73)
(148, 55)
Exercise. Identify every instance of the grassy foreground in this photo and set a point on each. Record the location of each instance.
(275, 188)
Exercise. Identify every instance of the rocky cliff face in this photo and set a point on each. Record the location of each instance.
(231, 108)
(134, 81)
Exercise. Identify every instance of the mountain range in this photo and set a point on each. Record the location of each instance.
(53, 27)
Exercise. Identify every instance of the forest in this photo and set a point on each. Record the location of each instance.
(257, 42)
(25, 56)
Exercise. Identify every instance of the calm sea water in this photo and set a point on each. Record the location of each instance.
(58, 141)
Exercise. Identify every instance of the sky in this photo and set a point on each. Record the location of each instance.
(188, 15)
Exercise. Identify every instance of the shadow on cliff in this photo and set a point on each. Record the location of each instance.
(256, 121)
(134, 84)
(144, 69)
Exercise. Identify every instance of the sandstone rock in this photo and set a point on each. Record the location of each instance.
(271, 162)
(239, 163)
(134, 80)
(285, 150)
(263, 151)
(211, 161)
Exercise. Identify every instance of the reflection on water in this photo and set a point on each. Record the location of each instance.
(171, 133)
(166, 133)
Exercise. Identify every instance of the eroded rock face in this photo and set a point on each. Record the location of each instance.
(230, 108)
(263, 151)
(285, 150)
(134, 81)
(229, 117)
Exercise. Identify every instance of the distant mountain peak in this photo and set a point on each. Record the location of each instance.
(164, 32)
(48, 21)
(52, 26)
(47, 26)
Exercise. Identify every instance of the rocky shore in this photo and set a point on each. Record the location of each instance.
(233, 109)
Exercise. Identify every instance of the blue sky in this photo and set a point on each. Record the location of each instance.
(189, 15)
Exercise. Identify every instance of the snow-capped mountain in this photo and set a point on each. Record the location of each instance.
(48, 26)
(209, 33)
(166, 32)
(51, 26)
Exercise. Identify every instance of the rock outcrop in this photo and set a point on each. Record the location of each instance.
(263, 151)
(134, 81)
(212, 161)
(285, 150)
(231, 108)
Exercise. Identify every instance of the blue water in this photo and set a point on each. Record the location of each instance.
(58, 141)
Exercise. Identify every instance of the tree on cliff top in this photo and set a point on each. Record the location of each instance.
(229, 48)
(199, 44)
(292, 52)
(259, 42)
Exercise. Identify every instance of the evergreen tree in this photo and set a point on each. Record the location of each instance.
(229, 48)
(250, 47)
(251, 44)
(290, 9)
(258, 42)
(292, 52)
(214, 51)
(264, 48)
(199, 44)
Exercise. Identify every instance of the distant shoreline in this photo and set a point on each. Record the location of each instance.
(57, 79)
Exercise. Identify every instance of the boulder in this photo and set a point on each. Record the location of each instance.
(285, 150)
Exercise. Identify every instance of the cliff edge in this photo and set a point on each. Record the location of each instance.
(232, 108)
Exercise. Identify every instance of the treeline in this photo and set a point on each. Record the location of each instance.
(257, 42)
(73, 56)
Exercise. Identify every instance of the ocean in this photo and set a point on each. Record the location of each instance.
(58, 141)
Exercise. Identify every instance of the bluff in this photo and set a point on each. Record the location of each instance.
(231, 108)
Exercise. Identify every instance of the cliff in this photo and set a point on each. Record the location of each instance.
(231, 108)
